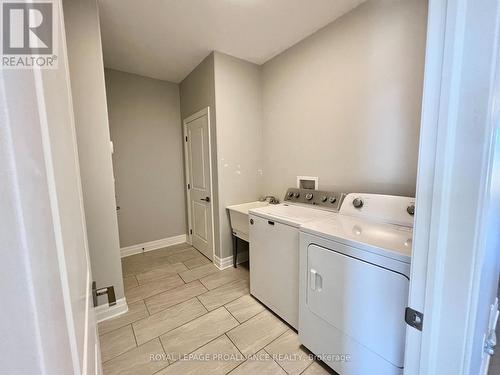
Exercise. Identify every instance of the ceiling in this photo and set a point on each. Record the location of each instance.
(166, 39)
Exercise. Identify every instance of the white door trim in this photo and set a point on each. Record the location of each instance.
(194, 116)
(455, 141)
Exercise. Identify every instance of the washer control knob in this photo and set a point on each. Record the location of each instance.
(309, 196)
(324, 198)
(332, 199)
(296, 194)
(357, 202)
(290, 194)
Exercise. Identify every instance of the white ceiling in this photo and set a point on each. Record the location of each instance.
(166, 39)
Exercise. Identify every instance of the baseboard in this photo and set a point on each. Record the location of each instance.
(105, 312)
(152, 245)
(223, 263)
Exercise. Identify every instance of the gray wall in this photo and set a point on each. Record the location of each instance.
(197, 91)
(239, 137)
(344, 104)
(92, 131)
(144, 118)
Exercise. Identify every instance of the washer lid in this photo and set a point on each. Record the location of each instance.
(291, 214)
(388, 240)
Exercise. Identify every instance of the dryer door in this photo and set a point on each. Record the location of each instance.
(364, 301)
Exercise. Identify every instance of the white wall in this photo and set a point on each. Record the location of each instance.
(239, 137)
(92, 131)
(344, 104)
(146, 130)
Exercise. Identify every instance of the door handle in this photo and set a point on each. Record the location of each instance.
(206, 199)
(316, 280)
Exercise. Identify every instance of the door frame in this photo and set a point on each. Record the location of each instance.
(436, 270)
(194, 116)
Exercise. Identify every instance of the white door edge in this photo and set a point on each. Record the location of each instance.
(51, 184)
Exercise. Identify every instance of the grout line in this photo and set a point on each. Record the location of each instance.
(239, 351)
(201, 346)
(126, 324)
(178, 303)
(276, 339)
(236, 346)
(272, 358)
(160, 292)
(126, 351)
(189, 321)
(309, 365)
(135, 338)
(224, 306)
(147, 308)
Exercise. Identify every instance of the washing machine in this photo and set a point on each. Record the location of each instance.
(274, 247)
(354, 271)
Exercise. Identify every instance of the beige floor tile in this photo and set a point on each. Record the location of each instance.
(244, 308)
(183, 255)
(174, 296)
(160, 272)
(179, 267)
(217, 279)
(197, 261)
(136, 311)
(160, 253)
(260, 363)
(257, 332)
(190, 336)
(294, 359)
(140, 263)
(224, 294)
(225, 357)
(318, 368)
(117, 342)
(129, 282)
(137, 361)
(166, 320)
(198, 272)
(150, 289)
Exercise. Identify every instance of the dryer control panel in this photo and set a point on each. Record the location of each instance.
(329, 200)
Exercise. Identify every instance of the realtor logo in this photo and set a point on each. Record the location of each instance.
(28, 34)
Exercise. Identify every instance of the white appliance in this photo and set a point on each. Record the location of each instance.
(354, 282)
(274, 247)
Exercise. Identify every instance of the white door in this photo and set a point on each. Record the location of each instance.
(199, 180)
(454, 267)
(47, 279)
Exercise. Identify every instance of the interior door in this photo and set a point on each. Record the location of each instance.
(454, 262)
(52, 329)
(198, 163)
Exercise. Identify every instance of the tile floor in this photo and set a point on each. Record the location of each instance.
(188, 317)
